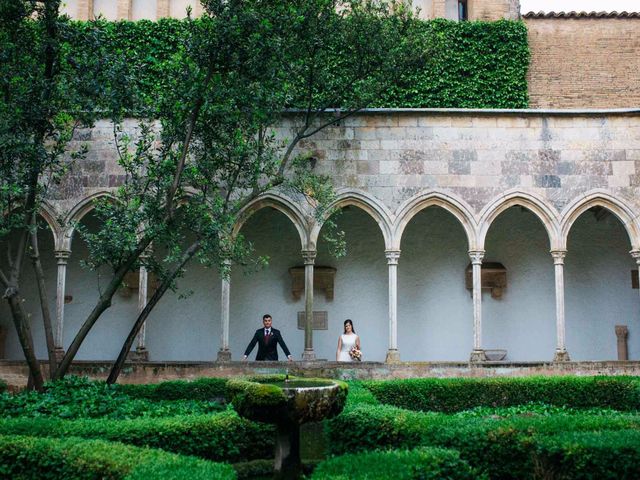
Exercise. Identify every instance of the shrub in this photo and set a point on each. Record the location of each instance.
(74, 459)
(422, 463)
(203, 389)
(601, 455)
(223, 437)
(79, 397)
(453, 395)
(502, 447)
(3, 386)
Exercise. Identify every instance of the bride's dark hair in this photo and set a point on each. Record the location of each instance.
(347, 321)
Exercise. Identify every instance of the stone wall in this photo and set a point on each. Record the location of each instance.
(584, 61)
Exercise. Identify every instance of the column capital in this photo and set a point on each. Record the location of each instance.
(309, 256)
(392, 256)
(62, 256)
(476, 256)
(558, 256)
(635, 254)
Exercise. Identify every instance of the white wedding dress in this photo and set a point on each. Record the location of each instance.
(348, 342)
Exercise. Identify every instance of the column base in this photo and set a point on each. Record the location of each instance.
(140, 354)
(393, 356)
(477, 356)
(224, 355)
(561, 356)
(308, 355)
(59, 353)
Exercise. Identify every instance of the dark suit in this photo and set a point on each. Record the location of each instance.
(267, 346)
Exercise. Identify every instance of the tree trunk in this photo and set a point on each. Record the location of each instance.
(103, 303)
(157, 295)
(24, 336)
(44, 304)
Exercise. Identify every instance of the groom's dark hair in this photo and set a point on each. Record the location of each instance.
(266, 315)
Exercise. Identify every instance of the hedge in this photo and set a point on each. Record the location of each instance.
(602, 455)
(453, 395)
(77, 459)
(421, 463)
(472, 65)
(206, 389)
(221, 437)
(501, 447)
(3, 386)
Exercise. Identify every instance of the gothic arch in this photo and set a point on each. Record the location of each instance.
(76, 214)
(457, 207)
(599, 198)
(280, 203)
(539, 207)
(47, 212)
(369, 204)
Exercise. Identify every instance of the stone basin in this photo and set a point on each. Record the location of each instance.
(287, 403)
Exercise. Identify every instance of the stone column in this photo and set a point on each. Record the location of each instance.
(62, 257)
(224, 354)
(123, 10)
(393, 256)
(561, 354)
(477, 354)
(85, 10)
(622, 332)
(163, 9)
(141, 350)
(309, 257)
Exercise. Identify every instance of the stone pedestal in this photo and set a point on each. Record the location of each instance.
(224, 355)
(622, 333)
(140, 354)
(477, 356)
(393, 356)
(561, 356)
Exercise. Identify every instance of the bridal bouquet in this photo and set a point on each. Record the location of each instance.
(355, 354)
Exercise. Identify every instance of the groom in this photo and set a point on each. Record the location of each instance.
(267, 339)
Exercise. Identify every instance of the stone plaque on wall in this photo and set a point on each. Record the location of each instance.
(323, 279)
(320, 320)
(493, 277)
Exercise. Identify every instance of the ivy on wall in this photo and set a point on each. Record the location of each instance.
(474, 64)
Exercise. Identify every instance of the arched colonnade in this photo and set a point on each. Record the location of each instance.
(392, 226)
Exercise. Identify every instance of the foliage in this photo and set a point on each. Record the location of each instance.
(201, 389)
(502, 447)
(468, 64)
(76, 459)
(3, 386)
(602, 455)
(221, 437)
(78, 397)
(421, 463)
(453, 395)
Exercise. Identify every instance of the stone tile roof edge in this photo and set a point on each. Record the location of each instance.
(488, 111)
(574, 14)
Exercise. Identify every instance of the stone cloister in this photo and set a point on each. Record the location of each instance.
(550, 196)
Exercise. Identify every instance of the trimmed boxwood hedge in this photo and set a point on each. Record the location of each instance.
(421, 463)
(472, 64)
(76, 459)
(457, 394)
(613, 455)
(205, 389)
(221, 437)
(502, 447)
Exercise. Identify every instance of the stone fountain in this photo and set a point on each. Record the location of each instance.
(287, 403)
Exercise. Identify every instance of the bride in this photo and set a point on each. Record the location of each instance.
(346, 342)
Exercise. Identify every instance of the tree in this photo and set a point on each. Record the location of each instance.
(239, 72)
(45, 94)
